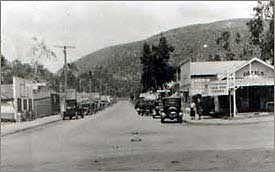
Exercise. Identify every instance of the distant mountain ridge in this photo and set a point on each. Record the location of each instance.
(188, 42)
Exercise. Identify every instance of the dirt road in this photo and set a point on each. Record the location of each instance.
(119, 139)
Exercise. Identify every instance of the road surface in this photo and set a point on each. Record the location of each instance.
(118, 139)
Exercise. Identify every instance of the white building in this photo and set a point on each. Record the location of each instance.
(17, 100)
(249, 84)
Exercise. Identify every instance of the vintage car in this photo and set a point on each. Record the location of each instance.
(88, 108)
(171, 109)
(145, 107)
(72, 110)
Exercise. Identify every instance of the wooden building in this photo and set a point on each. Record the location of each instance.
(229, 86)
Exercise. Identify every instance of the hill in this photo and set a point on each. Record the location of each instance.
(123, 60)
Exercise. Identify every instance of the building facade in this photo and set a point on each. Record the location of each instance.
(17, 100)
(46, 103)
(229, 86)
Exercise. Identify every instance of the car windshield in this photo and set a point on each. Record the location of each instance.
(171, 101)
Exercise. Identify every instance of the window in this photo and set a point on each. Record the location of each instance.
(30, 104)
(25, 105)
(54, 98)
(19, 105)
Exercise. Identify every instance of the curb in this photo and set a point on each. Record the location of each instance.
(31, 127)
(220, 124)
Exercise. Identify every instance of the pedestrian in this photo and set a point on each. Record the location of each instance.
(199, 108)
(192, 110)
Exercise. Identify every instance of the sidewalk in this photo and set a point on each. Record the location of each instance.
(242, 118)
(11, 128)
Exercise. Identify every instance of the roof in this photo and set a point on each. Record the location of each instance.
(247, 63)
(214, 67)
(7, 91)
(233, 70)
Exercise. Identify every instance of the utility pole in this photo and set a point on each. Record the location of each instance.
(81, 89)
(65, 63)
(0, 97)
(99, 89)
(274, 70)
(60, 103)
(90, 83)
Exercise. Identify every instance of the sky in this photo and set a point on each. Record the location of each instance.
(93, 25)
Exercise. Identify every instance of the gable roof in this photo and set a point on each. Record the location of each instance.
(233, 70)
(214, 67)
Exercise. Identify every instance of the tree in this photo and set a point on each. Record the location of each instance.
(40, 51)
(147, 78)
(261, 29)
(228, 46)
(156, 68)
(224, 42)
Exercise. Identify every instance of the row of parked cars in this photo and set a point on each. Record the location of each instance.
(165, 108)
(75, 109)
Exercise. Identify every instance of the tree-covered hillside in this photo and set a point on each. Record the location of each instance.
(123, 61)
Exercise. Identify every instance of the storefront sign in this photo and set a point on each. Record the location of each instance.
(217, 88)
(253, 73)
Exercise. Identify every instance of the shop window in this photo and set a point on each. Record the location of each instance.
(19, 105)
(25, 104)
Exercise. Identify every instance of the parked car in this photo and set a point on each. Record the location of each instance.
(171, 109)
(145, 107)
(87, 108)
(72, 110)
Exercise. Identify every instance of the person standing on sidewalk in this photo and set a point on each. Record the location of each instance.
(199, 108)
(192, 110)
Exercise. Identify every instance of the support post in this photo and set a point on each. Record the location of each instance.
(234, 102)
(230, 106)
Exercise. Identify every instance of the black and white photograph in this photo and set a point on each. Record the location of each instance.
(137, 86)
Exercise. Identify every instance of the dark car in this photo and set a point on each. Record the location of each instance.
(88, 108)
(171, 109)
(72, 110)
(145, 107)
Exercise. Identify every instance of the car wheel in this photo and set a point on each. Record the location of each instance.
(162, 120)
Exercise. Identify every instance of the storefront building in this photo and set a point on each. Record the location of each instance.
(229, 86)
(16, 100)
